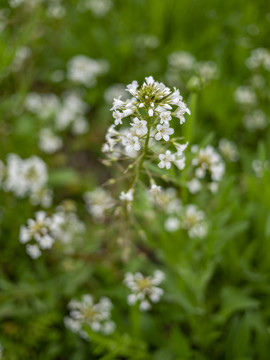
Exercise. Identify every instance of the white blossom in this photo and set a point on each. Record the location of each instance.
(228, 150)
(128, 196)
(144, 289)
(164, 131)
(48, 141)
(98, 202)
(166, 160)
(84, 70)
(139, 127)
(96, 316)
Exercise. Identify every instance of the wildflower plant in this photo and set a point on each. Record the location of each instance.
(143, 130)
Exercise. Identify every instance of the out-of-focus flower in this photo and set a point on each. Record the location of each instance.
(144, 289)
(96, 316)
(84, 70)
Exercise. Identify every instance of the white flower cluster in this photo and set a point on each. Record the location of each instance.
(229, 150)
(208, 165)
(96, 316)
(17, 3)
(255, 120)
(150, 112)
(165, 199)
(66, 112)
(259, 58)
(98, 202)
(144, 289)
(84, 70)
(70, 227)
(42, 232)
(43, 105)
(245, 96)
(98, 7)
(182, 65)
(191, 219)
(48, 141)
(39, 234)
(72, 114)
(26, 178)
(254, 95)
(55, 9)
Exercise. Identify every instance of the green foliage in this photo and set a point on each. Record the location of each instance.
(216, 294)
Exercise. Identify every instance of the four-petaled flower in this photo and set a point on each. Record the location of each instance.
(166, 159)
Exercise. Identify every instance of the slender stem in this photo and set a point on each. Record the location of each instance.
(139, 167)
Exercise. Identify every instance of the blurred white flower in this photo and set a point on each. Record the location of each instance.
(255, 120)
(84, 70)
(245, 96)
(229, 150)
(42, 105)
(144, 289)
(259, 58)
(128, 196)
(48, 141)
(97, 316)
(98, 202)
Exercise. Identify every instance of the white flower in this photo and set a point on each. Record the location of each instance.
(86, 312)
(166, 159)
(144, 289)
(128, 196)
(131, 143)
(131, 88)
(259, 57)
(71, 113)
(25, 177)
(98, 7)
(165, 117)
(180, 112)
(182, 60)
(164, 131)
(48, 141)
(228, 150)
(42, 105)
(98, 202)
(208, 161)
(194, 186)
(180, 163)
(245, 96)
(38, 234)
(255, 120)
(193, 220)
(33, 251)
(118, 117)
(172, 224)
(84, 70)
(139, 127)
(155, 190)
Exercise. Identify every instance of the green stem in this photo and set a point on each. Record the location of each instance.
(139, 167)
